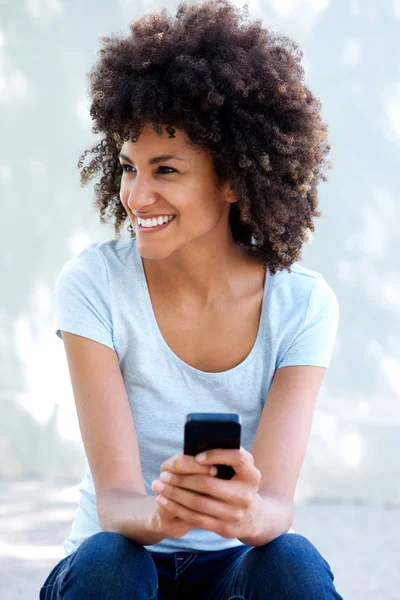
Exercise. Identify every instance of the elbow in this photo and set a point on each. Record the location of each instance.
(289, 515)
(105, 521)
(280, 508)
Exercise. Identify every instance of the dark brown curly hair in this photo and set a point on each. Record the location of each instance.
(237, 91)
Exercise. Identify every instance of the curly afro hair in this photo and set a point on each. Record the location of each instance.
(237, 91)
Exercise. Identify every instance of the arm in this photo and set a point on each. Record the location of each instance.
(280, 445)
(110, 441)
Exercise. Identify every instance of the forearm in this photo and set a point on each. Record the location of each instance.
(129, 514)
(273, 517)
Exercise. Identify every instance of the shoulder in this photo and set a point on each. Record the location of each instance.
(299, 276)
(110, 249)
(118, 256)
(303, 287)
(305, 318)
(96, 258)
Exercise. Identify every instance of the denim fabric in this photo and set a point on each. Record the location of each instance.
(110, 566)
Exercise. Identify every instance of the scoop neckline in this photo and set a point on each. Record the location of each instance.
(210, 375)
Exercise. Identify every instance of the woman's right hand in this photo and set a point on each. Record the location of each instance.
(163, 522)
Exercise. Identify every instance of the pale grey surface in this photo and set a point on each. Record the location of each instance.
(360, 542)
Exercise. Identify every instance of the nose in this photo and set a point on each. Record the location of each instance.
(141, 195)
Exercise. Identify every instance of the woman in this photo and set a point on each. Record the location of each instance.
(212, 147)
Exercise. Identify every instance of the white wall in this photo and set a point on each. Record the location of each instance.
(351, 59)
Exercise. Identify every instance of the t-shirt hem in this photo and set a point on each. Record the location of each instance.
(304, 363)
(165, 549)
(82, 331)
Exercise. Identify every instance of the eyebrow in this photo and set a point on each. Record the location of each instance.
(155, 159)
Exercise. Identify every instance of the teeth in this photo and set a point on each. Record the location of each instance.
(154, 222)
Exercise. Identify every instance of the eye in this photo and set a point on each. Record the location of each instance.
(126, 167)
(129, 169)
(170, 168)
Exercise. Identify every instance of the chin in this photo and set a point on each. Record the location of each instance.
(153, 253)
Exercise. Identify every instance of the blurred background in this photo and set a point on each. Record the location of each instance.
(348, 495)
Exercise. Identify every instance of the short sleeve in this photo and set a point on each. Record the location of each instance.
(82, 298)
(314, 343)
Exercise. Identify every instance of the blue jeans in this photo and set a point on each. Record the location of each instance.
(110, 566)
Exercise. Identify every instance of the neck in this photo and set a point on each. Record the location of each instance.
(201, 275)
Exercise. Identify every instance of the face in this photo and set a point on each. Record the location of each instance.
(183, 186)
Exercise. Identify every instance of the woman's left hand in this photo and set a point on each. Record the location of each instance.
(226, 507)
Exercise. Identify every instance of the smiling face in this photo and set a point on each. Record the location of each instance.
(182, 183)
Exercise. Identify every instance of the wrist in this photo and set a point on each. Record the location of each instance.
(272, 516)
(154, 529)
(253, 537)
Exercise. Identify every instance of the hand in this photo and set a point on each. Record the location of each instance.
(166, 522)
(226, 507)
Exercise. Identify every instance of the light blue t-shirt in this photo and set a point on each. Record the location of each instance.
(102, 294)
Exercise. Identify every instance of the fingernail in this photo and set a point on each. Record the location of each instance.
(165, 476)
(213, 471)
(201, 457)
(158, 486)
(163, 500)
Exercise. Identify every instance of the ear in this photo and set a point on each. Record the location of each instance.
(231, 195)
(227, 191)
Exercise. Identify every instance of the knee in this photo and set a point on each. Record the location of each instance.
(107, 547)
(292, 549)
(291, 559)
(106, 552)
(106, 562)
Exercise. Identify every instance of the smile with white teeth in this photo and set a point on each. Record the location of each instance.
(154, 222)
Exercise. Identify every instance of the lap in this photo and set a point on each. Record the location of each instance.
(107, 565)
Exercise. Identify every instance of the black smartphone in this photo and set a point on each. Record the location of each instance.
(207, 431)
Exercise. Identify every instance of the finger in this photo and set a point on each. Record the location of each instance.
(174, 525)
(231, 492)
(164, 514)
(200, 503)
(240, 460)
(183, 463)
(196, 519)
